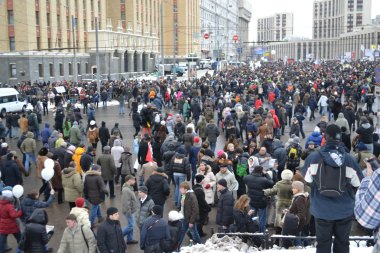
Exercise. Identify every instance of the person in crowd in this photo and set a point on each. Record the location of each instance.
(94, 191)
(224, 173)
(365, 132)
(208, 182)
(87, 159)
(309, 149)
(331, 207)
(243, 215)
(129, 205)
(45, 133)
(175, 227)
(104, 135)
(256, 182)
(72, 184)
(224, 214)
(109, 235)
(145, 207)
(158, 186)
(28, 147)
(212, 133)
(30, 203)
(75, 134)
(126, 164)
(8, 215)
(367, 204)
(93, 134)
(294, 151)
(10, 172)
(203, 206)
(108, 169)
(77, 238)
(79, 151)
(81, 212)
(36, 236)
(315, 137)
(68, 157)
(154, 230)
(116, 152)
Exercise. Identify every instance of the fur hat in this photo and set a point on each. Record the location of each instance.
(286, 175)
(298, 185)
(7, 192)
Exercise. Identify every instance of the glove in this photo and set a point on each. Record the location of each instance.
(208, 186)
(52, 192)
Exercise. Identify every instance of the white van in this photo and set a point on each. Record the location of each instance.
(11, 101)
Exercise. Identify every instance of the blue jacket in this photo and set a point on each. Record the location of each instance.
(193, 155)
(332, 208)
(45, 133)
(316, 137)
(28, 205)
(154, 230)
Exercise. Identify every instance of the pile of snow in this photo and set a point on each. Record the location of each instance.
(236, 245)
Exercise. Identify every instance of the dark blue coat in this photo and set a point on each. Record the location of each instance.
(159, 231)
(256, 183)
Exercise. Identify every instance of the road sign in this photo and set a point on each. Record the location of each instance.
(377, 75)
(206, 36)
(235, 37)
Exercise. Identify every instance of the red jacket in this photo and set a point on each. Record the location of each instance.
(275, 118)
(8, 215)
(258, 104)
(271, 96)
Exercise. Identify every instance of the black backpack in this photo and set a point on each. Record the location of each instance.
(331, 181)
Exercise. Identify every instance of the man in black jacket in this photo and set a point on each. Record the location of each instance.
(10, 172)
(110, 237)
(104, 135)
(87, 159)
(204, 208)
(158, 187)
(256, 183)
(143, 150)
(224, 214)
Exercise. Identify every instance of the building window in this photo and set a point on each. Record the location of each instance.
(51, 69)
(38, 43)
(70, 69)
(48, 19)
(87, 68)
(40, 70)
(49, 44)
(12, 70)
(11, 20)
(12, 44)
(37, 18)
(79, 72)
(59, 22)
(61, 71)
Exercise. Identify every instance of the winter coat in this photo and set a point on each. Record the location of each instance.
(107, 165)
(179, 164)
(72, 240)
(72, 184)
(256, 183)
(283, 191)
(209, 179)
(94, 187)
(158, 188)
(86, 160)
(361, 156)
(68, 157)
(279, 153)
(40, 164)
(10, 173)
(143, 151)
(224, 214)
(190, 207)
(244, 222)
(76, 158)
(153, 234)
(82, 215)
(110, 237)
(299, 207)
(203, 206)
(8, 215)
(56, 181)
(174, 230)
(145, 211)
(332, 208)
(294, 129)
(23, 125)
(201, 129)
(29, 144)
(232, 183)
(45, 133)
(179, 130)
(212, 132)
(126, 163)
(188, 140)
(366, 133)
(29, 205)
(35, 232)
(75, 135)
(342, 122)
(128, 200)
(315, 137)
(116, 151)
(52, 140)
(93, 135)
(104, 135)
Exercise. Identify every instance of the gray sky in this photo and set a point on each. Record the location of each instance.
(302, 10)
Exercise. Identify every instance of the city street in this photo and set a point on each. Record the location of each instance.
(57, 213)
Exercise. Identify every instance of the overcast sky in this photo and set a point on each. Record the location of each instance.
(302, 10)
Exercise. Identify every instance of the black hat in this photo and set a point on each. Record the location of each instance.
(111, 211)
(143, 189)
(222, 182)
(333, 133)
(199, 178)
(160, 170)
(157, 210)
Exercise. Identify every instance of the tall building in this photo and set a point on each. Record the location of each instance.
(245, 15)
(219, 22)
(332, 18)
(275, 28)
(181, 30)
(39, 37)
(376, 20)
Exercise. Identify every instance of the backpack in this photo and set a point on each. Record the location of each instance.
(331, 181)
(241, 168)
(293, 153)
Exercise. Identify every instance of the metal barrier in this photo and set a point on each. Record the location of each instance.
(267, 239)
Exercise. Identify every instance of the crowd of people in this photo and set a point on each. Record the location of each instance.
(229, 141)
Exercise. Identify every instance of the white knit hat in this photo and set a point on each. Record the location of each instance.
(174, 215)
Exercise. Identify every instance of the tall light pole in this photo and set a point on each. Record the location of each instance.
(162, 38)
(97, 55)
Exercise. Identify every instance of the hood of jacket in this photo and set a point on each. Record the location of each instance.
(117, 143)
(30, 135)
(47, 125)
(211, 126)
(54, 134)
(333, 153)
(68, 172)
(366, 125)
(273, 112)
(340, 115)
(276, 144)
(39, 216)
(79, 151)
(93, 172)
(316, 134)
